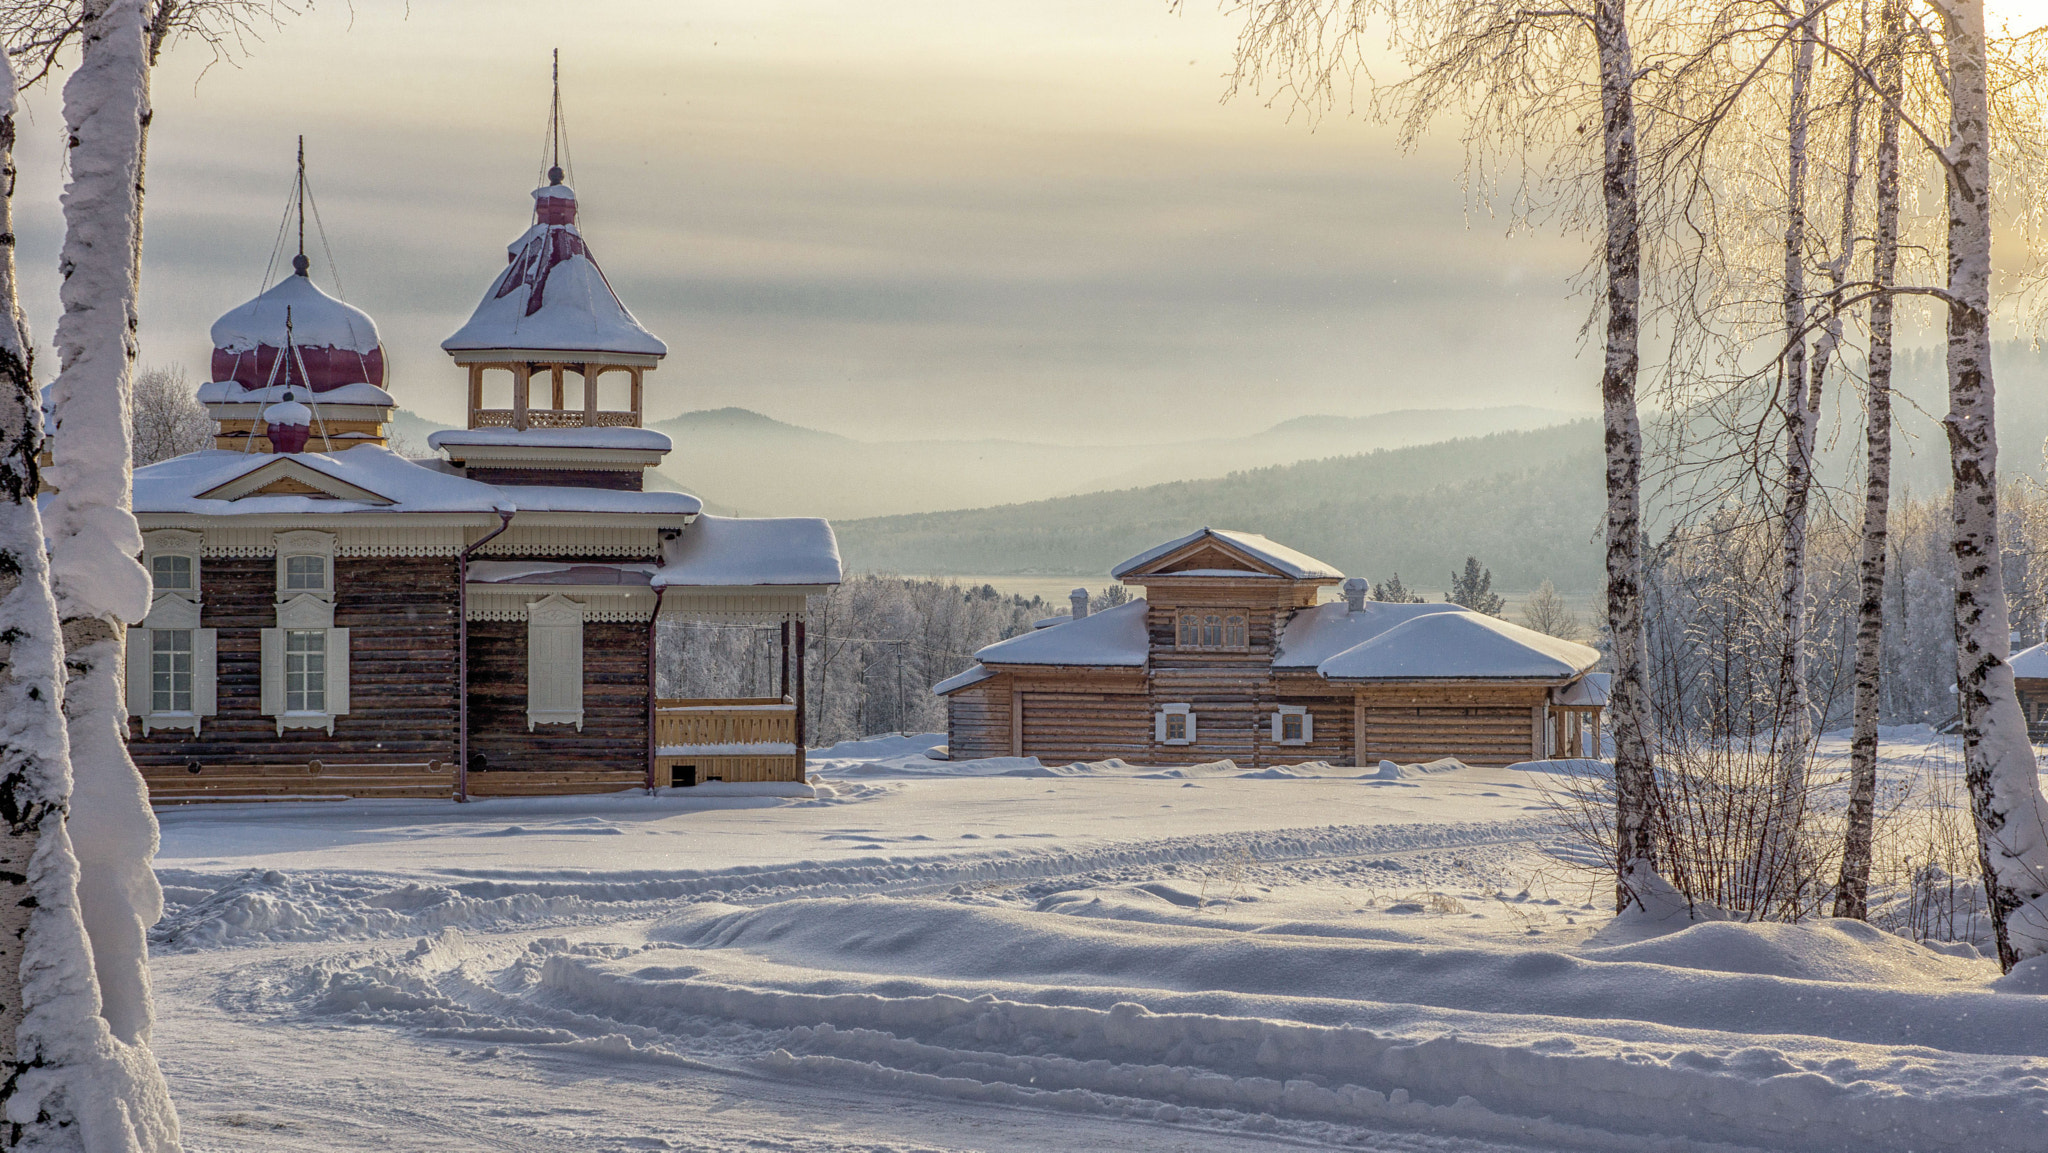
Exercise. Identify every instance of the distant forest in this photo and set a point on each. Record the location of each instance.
(1528, 504)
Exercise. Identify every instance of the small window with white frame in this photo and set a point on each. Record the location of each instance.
(305, 665)
(172, 558)
(171, 683)
(1293, 725)
(1174, 725)
(305, 671)
(305, 565)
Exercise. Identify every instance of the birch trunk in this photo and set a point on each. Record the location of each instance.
(1635, 782)
(1998, 761)
(93, 536)
(1852, 892)
(1793, 720)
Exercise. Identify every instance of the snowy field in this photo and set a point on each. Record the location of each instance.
(998, 955)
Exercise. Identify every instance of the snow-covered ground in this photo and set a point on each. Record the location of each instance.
(998, 955)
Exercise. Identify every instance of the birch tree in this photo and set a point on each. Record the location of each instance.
(1529, 81)
(1998, 760)
(1852, 892)
(94, 541)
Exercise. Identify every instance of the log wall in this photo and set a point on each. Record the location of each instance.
(401, 615)
(614, 733)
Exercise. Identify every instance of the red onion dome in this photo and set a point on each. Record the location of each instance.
(287, 423)
(336, 342)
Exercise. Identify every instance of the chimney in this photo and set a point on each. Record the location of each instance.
(1354, 594)
(1079, 597)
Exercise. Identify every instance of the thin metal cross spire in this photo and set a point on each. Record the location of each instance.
(299, 263)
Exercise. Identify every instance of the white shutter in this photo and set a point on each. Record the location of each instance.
(1308, 726)
(337, 672)
(1159, 726)
(1192, 738)
(273, 672)
(1274, 721)
(554, 662)
(138, 672)
(203, 676)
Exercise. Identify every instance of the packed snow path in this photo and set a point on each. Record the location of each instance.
(1096, 958)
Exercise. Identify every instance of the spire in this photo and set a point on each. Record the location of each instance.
(299, 263)
(555, 124)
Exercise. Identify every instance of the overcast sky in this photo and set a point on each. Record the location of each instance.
(887, 219)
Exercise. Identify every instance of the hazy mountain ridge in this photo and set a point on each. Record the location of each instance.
(767, 467)
(1528, 504)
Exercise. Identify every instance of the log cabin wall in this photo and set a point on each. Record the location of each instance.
(401, 615)
(614, 733)
(620, 480)
(1065, 715)
(978, 720)
(1489, 725)
(2033, 694)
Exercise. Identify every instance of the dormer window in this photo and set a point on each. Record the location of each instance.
(1213, 629)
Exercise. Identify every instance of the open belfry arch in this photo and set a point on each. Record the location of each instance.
(1233, 652)
(335, 619)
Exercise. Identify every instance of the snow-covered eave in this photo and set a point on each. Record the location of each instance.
(958, 681)
(1041, 666)
(809, 590)
(365, 514)
(486, 354)
(1509, 681)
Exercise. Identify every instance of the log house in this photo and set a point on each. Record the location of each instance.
(1230, 655)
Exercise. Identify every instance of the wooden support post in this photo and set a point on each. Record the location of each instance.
(653, 697)
(555, 378)
(589, 395)
(522, 380)
(1595, 754)
(1538, 738)
(636, 397)
(783, 692)
(1016, 722)
(476, 392)
(801, 747)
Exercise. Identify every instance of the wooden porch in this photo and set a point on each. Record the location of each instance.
(731, 739)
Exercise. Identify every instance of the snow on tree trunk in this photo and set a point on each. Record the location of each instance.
(1852, 893)
(69, 1083)
(1629, 705)
(93, 537)
(1998, 761)
(1793, 718)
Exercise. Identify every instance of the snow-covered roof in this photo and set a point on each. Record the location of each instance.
(175, 485)
(634, 439)
(2031, 662)
(553, 297)
(318, 320)
(231, 392)
(1459, 645)
(400, 485)
(288, 412)
(1591, 690)
(1298, 565)
(1114, 637)
(955, 683)
(718, 551)
(1316, 634)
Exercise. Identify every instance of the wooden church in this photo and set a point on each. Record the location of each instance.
(1229, 655)
(331, 618)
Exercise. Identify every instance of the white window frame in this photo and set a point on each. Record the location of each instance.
(171, 613)
(304, 542)
(1159, 725)
(1200, 618)
(168, 543)
(554, 662)
(1279, 722)
(305, 612)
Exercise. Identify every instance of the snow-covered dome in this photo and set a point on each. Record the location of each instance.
(552, 297)
(288, 423)
(337, 342)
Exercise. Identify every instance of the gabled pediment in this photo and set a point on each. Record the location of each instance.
(1206, 554)
(287, 476)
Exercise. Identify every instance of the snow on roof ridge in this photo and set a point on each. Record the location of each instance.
(1294, 563)
(318, 320)
(1115, 637)
(2030, 662)
(1460, 645)
(552, 296)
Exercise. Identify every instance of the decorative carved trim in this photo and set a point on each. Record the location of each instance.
(598, 602)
